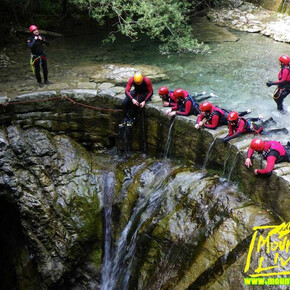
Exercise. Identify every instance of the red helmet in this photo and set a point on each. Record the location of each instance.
(285, 59)
(205, 106)
(178, 93)
(257, 144)
(233, 116)
(32, 28)
(163, 91)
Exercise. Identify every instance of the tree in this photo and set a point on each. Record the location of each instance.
(165, 20)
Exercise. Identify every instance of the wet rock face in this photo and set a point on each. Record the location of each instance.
(184, 231)
(4, 60)
(187, 221)
(51, 179)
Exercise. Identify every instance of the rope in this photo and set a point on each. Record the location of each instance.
(91, 107)
(60, 97)
(29, 101)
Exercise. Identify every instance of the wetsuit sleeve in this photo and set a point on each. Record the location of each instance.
(270, 165)
(230, 130)
(128, 88)
(250, 153)
(214, 122)
(187, 109)
(31, 42)
(175, 107)
(285, 73)
(238, 132)
(228, 138)
(199, 118)
(150, 90)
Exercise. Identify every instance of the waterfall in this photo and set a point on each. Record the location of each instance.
(108, 183)
(208, 153)
(233, 166)
(169, 138)
(121, 264)
(226, 160)
(285, 6)
(125, 138)
(144, 141)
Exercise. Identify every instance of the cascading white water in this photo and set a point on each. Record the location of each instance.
(226, 160)
(118, 275)
(208, 153)
(233, 166)
(108, 185)
(169, 138)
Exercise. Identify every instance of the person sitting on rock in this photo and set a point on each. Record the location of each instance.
(35, 42)
(272, 151)
(185, 105)
(136, 98)
(212, 116)
(283, 82)
(166, 97)
(239, 125)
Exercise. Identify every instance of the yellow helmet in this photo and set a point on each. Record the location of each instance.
(138, 78)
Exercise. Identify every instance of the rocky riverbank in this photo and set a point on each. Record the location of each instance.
(248, 17)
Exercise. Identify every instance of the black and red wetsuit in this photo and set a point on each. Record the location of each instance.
(141, 92)
(283, 86)
(187, 107)
(242, 126)
(38, 56)
(274, 152)
(169, 99)
(216, 118)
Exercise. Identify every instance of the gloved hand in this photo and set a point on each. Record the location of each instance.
(269, 84)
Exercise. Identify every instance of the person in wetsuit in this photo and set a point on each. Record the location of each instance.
(166, 96)
(136, 98)
(185, 105)
(272, 151)
(35, 42)
(239, 125)
(283, 82)
(212, 116)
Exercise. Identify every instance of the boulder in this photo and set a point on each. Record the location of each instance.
(120, 73)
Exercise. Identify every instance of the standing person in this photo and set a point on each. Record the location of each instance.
(272, 151)
(185, 105)
(136, 98)
(239, 125)
(211, 116)
(283, 82)
(35, 43)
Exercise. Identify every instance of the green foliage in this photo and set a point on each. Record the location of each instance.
(165, 20)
